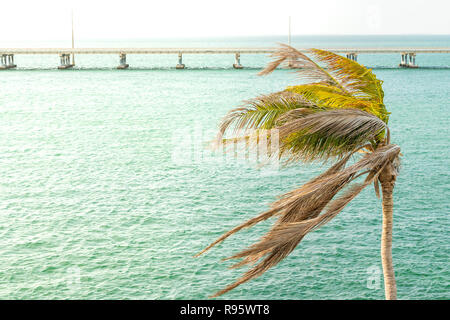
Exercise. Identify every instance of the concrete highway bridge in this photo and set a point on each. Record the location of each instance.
(67, 55)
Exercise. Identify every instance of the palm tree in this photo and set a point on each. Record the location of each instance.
(339, 114)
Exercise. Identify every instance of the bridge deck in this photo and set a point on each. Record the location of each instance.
(206, 50)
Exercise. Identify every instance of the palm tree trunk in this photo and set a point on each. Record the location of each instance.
(387, 180)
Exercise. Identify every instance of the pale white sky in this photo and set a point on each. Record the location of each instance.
(126, 19)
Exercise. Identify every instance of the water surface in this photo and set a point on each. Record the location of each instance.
(93, 203)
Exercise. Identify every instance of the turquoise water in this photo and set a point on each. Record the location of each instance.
(102, 196)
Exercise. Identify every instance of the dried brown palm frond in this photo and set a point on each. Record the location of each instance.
(308, 201)
(304, 206)
(329, 97)
(293, 115)
(287, 205)
(300, 211)
(306, 196)
(309, 69)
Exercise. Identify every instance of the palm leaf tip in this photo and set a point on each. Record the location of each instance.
(306, 67)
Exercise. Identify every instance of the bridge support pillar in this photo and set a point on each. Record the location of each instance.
(180, 64)
(237, 63)
(123, 61)
(352, 56)
(7, 61)
(408, 60)
(65, 61)
(404, 60)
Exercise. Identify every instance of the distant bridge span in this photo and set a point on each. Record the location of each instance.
(7, 54)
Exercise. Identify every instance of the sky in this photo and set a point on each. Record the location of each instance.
(132, 19)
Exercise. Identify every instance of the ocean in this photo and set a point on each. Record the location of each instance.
(107, 189)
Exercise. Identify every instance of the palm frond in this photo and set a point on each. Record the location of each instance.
(262, 112)
(347, 76)
(328, 134)
(300, 211)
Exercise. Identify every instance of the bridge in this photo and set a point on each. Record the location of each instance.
(408, 55)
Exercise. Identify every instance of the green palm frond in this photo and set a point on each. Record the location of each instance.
(360, 81)
(356, 78)
(329, 134)
(327, 96)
